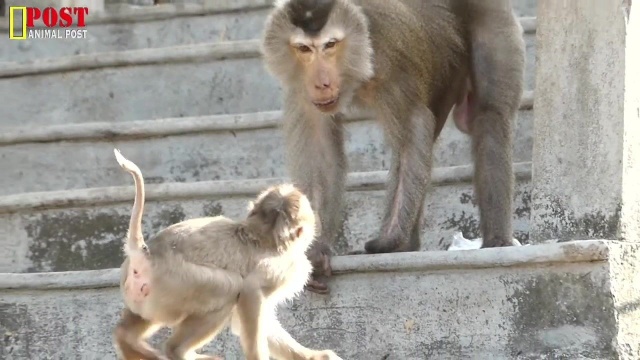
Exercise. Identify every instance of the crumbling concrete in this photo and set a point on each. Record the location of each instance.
(586, 153)
(84, 229)
(231, 78)
(146, 27)
(227, 147)
(557, 301)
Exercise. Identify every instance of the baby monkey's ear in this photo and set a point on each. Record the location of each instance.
(251, 207)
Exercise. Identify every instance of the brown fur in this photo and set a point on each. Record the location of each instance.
(200, 275)
(411, 62)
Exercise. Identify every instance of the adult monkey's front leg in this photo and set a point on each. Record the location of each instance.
(317, 164)
(409, 178)
(321, 64)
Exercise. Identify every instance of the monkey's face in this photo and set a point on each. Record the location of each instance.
(319, 50)
(321, 58)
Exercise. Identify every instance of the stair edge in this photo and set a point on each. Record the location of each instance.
(145, 129)
(217, 51)
(164, 55)
(567, 252)
(90, 197)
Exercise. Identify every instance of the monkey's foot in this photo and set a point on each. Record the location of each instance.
(382, 245)
(499, 242)
(317, 286)
(144, 352)
(321, 262)
(357, 252)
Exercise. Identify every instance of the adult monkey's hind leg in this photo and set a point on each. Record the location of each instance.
(409, 179)
(497, 64)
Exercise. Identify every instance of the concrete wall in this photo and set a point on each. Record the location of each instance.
(586, 151)
(85, 229)
(248, 146)
(538, 302)
(154, 27)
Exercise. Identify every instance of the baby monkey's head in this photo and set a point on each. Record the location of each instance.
(281, 216)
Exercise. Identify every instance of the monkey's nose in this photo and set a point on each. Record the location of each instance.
(323, 85)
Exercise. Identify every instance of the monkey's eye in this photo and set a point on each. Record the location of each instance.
(330, 44)
(304, 48)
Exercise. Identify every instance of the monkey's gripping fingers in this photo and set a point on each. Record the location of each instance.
(320, 258)
(322, 265)
(317, 287)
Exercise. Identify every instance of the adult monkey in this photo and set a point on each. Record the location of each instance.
(411, 61)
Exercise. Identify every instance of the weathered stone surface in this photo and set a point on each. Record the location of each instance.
(85, 238)
(125, 32)
(140, 92)
(222, 155)
(625, 284)
(539, 302)
(146, 84)
(163, 31)
(587, 121)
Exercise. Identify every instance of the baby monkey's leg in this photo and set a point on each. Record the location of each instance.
(214, 293)
(283, 346)
(196, 331)
(129, 337)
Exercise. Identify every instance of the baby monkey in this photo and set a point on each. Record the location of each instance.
(200, 275)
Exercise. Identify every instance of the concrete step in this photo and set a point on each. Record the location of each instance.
(151, 83)
(554, 301)
(128, 27)
(223, 147)
(147, 27)
(138, 84)
(84, 229)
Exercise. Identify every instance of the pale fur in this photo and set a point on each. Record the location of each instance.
(198, 274)
(135, 239)
(280, 3)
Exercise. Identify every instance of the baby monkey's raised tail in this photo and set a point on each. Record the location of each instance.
(135, 240)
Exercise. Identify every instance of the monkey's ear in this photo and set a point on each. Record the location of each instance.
(298, 232)
(283, 232)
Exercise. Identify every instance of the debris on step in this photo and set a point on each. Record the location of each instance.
(459, 242)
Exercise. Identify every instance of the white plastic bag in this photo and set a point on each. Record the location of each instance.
(459, 242)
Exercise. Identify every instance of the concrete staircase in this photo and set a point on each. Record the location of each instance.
(180, 89)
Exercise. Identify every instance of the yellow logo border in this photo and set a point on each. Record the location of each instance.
(12, 10)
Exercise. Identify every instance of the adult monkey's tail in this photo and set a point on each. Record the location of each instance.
(135, 241)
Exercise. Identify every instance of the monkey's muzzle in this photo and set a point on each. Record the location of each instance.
(327, 105)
